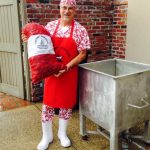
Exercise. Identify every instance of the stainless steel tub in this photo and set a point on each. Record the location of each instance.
(114, 94)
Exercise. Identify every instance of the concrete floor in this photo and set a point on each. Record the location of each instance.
(20, 129)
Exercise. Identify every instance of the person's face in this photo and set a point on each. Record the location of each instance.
(67, 13)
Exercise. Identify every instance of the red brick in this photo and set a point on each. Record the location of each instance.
(39, 15)
(119, 30)
(121, 23)
(100, 23)
(122, 15)
(32, 11)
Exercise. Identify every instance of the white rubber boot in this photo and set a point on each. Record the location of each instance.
(47, 136)
(62, 133)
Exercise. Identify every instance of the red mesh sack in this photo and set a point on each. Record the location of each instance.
(41, 55)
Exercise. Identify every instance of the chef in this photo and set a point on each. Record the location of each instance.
(71, 41)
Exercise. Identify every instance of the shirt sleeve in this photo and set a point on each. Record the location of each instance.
(84, 43)
(82, 38)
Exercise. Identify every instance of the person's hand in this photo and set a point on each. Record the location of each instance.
(60, 73)
(24, 38)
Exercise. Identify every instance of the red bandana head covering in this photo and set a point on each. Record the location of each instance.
(68, 2)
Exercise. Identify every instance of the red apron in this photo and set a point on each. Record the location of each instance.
(61, 92)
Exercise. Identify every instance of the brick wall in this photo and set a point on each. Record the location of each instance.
(118, 44)
(105, 21)
(95, 15)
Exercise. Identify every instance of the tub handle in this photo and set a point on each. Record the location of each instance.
(140, 107)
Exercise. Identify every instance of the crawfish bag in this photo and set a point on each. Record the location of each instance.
(41, 55)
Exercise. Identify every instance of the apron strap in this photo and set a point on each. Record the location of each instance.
(72, 28)
(56, 28)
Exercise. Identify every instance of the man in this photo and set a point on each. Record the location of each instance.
(70, 41)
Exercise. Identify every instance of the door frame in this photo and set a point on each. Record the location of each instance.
(24, 46)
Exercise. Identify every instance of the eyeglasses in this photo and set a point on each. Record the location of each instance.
(64, 8)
